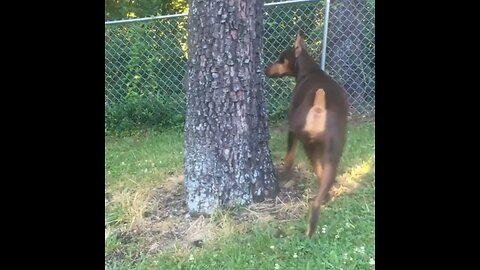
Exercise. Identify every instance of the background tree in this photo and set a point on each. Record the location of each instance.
(349, 53)
(227, 158)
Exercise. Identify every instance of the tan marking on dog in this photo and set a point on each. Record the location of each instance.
(316, 121)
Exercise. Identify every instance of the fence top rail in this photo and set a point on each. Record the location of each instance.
(185, 14)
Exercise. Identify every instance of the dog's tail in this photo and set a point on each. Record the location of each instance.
(319, 101)
(315, 122)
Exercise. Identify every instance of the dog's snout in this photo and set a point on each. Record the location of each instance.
(266, 70)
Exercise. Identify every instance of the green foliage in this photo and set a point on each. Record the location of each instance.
(122, 9)
(143, 68)
(139, 113)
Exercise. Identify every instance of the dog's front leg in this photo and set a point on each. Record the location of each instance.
(290, 156)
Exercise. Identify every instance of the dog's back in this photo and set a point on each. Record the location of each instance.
(335, 108)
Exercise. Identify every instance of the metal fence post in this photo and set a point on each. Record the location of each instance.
(325, 34)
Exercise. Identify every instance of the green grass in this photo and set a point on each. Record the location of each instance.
(345, 238)
(147, 157)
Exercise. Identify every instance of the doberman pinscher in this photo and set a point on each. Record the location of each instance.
(317, 118)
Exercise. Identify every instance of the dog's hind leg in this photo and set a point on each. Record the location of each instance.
(325, 180)
(314, 152)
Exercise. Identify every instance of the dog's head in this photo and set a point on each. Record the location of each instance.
(285, 66)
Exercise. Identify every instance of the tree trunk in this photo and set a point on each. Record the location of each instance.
(346, 47)
(227, 158)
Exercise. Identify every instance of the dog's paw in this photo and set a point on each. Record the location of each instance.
(308, 232)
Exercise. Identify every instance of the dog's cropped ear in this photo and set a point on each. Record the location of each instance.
(299, 44)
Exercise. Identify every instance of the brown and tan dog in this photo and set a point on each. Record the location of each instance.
(317, 118)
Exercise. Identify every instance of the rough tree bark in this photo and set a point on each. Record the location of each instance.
(346, 46)
(227, 158)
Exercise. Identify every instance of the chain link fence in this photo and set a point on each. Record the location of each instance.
(146, 60)
(350, 56)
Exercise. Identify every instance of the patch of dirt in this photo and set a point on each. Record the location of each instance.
(168, 224)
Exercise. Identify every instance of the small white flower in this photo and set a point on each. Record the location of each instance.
(146, 170)
(371, 261)
(360, 250)
(277, 266)
(191, 258)
(337, 236)
(272, 247)
(123, 162)
(295, 255)
(324, 229)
